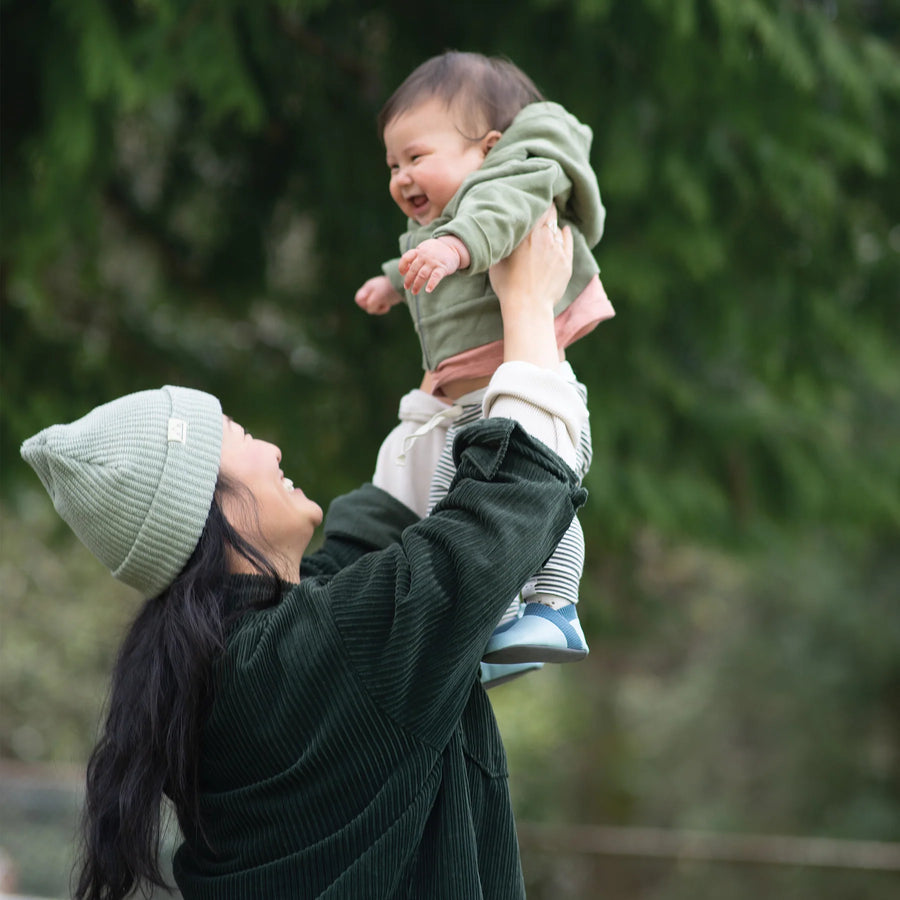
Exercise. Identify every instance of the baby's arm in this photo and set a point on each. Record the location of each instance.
(426, 265)
(377, 296)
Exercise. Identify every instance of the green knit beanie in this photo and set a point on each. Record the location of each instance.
(134, 479)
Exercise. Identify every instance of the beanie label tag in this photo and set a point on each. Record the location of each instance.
(177, 430)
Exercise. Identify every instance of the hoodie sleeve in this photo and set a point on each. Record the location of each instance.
(357, 523)
(543, 157)
(391, 270)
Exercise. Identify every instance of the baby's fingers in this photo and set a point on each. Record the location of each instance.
(362, 295)
(437, 276)
(417, 275)
(407, 260)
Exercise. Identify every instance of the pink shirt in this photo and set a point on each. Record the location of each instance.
(581, 316)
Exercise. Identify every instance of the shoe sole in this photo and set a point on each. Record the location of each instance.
(504, 674)
(524, 653)
(505, 679)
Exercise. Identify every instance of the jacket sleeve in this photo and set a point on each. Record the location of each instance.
(415, 618)
(357, 523)
(390, 268)
(543, 157)
(498, 208)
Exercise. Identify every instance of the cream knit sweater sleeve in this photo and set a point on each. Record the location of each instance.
(542, 401)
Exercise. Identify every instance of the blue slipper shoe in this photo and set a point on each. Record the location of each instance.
(540, 634)
(495, 675)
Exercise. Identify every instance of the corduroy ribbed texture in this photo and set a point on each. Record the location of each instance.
(351, 751)
(134, 479)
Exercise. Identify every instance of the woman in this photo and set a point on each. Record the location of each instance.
(316, 719)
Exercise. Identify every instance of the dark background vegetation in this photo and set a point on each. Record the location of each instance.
(193, 191)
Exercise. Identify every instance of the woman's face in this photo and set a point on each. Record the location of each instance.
(284, 518)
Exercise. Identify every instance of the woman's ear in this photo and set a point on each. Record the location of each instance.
(489, 140)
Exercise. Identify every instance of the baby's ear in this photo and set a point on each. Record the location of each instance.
(489, 140)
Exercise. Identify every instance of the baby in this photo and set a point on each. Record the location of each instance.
(476, 156)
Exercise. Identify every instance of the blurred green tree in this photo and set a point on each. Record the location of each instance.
(191, 192)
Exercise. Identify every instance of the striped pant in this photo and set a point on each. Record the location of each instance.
(561, 574)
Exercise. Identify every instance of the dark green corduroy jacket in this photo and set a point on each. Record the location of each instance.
(351, 751)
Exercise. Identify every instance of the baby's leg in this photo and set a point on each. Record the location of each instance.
(404, 466)
(556, 584)
(470, 410)
(547, 628)
(434, 452)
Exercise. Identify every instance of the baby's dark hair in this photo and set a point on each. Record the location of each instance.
(490, 90)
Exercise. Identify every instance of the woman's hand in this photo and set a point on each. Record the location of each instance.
(528, 283)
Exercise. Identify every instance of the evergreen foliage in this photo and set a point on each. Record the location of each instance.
(191, 193)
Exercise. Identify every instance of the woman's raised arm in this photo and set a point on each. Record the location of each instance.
(528, 386)
(528, 283)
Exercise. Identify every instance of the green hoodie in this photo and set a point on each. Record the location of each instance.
(543, 157)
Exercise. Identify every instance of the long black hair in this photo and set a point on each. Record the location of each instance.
(160, 696)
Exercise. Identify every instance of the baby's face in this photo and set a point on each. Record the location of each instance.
(429, 158)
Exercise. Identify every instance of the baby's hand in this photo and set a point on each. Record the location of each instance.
(429, 263)
(377, 296)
